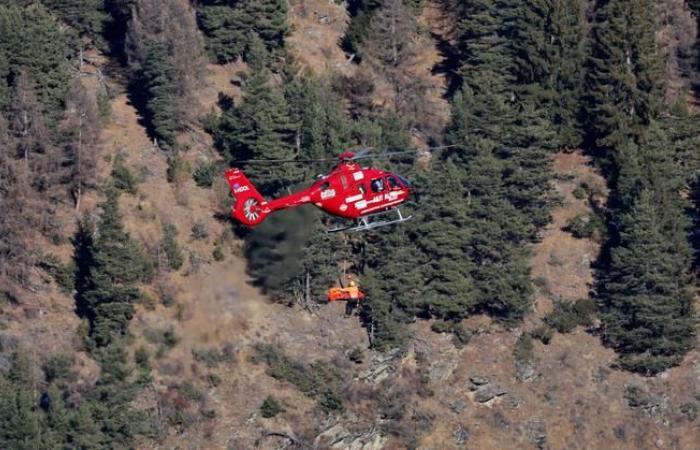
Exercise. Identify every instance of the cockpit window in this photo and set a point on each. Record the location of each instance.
(377, 185)
(393, 183)
(404, 181)
(325, 186)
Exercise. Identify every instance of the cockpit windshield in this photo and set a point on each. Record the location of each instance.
(404, 181)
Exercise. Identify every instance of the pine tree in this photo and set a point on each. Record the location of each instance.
(110, 262)
(648, 312)
(443, 236)
(88, 17)
(550, 47)
(231, 25)
(624, 81)
(158, 80)
(35, 44)
(20, 421)
(496, 105)
(324, 128)
(221, 23)
(261, 128)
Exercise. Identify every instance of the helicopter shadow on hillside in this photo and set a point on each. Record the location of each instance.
(448, 66)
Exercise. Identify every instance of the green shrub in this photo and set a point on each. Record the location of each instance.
(190, 391)
(212, 379)
(524, 350)
(199, 231)
(270, 407)
(123, 179)
(171, 248)
(178, 169)
(579, 191)
(164, 337)
(206, 172)
(58, 368)
(586, 226)
(218, 254)
(543, 334)
(63, 274)
(211, 357)
(567, 316)
(317, 380)
(461, 335)
(356, 355)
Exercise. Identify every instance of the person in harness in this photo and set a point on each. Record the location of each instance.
(351, 294)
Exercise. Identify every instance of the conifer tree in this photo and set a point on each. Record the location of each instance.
(624, 83)
(648, 312)
(110, 264)
(158, 80)
(443, 237)
(231, 25)
(261, 128)
(35, 44)
(221, 22)
(87, 17)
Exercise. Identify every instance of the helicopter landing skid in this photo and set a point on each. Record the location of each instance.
(364, 224)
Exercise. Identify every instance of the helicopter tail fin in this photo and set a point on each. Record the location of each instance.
(250, 207)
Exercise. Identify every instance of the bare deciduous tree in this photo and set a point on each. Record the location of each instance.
(172, 22)
(82, 123)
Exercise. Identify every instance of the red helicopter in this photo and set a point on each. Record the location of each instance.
(348, 191)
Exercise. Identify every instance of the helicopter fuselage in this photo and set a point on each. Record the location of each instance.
(348, 191)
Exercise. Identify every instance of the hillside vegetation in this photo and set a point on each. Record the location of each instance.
(542, 296)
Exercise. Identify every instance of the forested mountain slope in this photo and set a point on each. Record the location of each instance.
(543, 295)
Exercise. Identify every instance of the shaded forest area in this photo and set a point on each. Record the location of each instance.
(526, 79)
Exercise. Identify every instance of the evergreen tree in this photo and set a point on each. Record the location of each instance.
(110, 264)
(361, 13)
(495, 106)
(158, 80)
(231, 25)
(648, 312)
(324, 128)
(261, 128)
(550, 48)
(35, 44)
(88, 17)
(624, 82)
(443, 237)
(222, 24)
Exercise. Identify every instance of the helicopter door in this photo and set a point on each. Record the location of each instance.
(377, 185)
(393, 183)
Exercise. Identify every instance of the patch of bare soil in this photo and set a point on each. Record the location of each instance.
(318, 27)
(561, 264)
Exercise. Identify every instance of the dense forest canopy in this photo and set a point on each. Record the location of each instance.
(526, 79)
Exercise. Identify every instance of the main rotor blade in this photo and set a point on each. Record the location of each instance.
(361, 154)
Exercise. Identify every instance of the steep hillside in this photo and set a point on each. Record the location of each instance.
(222, 366)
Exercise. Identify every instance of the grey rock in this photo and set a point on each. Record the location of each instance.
(488, 392)
(458, 405)
(476, 381)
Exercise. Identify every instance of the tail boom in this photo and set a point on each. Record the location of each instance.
(250, 207)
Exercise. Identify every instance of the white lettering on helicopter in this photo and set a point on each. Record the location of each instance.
(392, 195)
(354, 198)
(241, 189)
(343, 207)
(328, 193)
(358, 176)
(361, 204)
